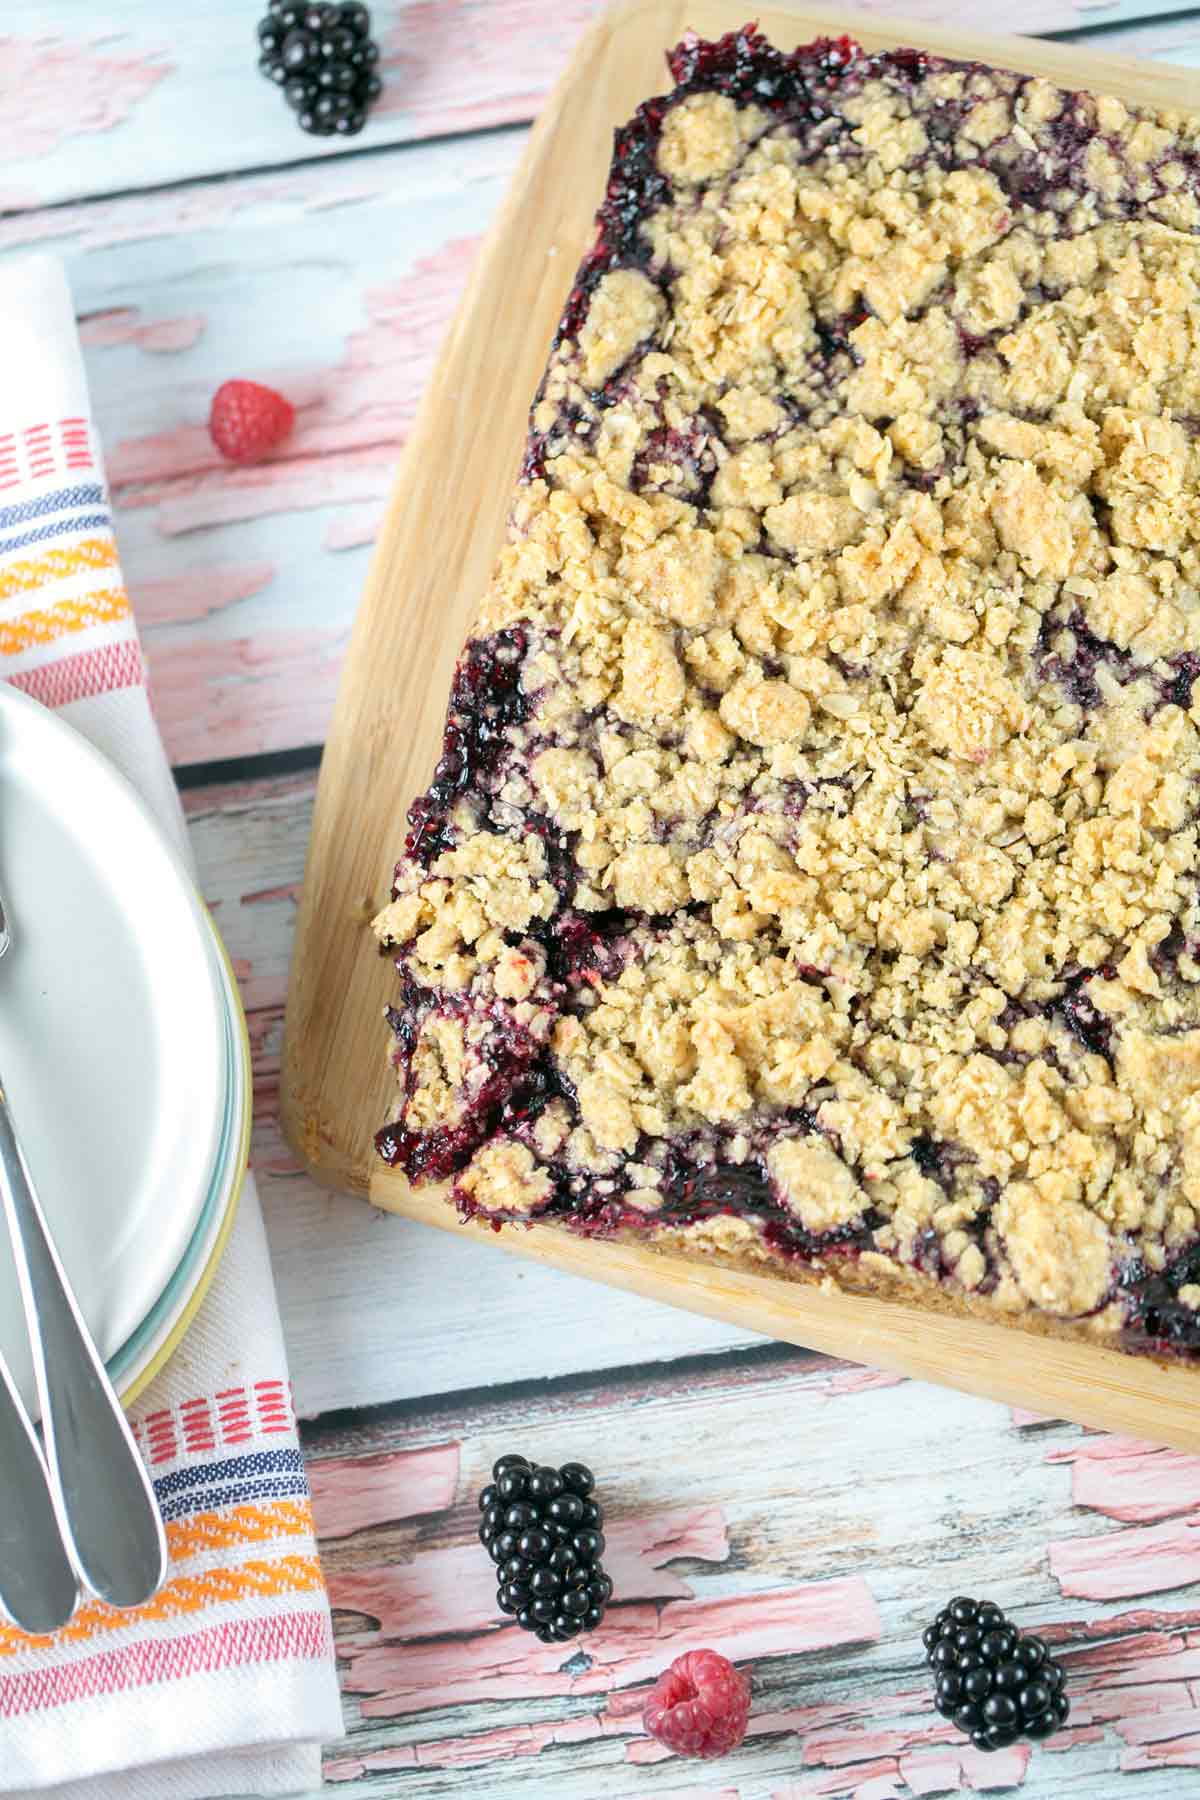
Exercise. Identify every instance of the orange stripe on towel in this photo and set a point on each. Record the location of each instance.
(265, 1522)
(250, 1524)
(32, 572)
(33, 629)
(182, 1598)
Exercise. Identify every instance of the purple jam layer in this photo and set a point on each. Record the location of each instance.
(486, 701)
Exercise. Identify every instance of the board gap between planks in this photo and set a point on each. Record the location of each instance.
(245, 584)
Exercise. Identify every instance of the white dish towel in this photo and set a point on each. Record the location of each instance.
(225, 1683)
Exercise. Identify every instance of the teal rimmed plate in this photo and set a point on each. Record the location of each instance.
(151, 1347)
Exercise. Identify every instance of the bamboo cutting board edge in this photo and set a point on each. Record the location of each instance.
(459, 466)
(1091, 1384)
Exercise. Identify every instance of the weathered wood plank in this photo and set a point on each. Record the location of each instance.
(381, 1309)
(139, 98)
(738, 1519)
(100, 104)
(1174, 40)
(245, 581)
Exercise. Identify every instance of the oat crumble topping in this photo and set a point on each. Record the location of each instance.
(812, 871)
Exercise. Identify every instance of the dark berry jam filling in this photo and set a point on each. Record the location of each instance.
(1155, 1312)
(693, 1192)
(1076, 669)
(1086, 1023)
(486, 701)
(1178, 687)
(519, 1081)
(796, 86)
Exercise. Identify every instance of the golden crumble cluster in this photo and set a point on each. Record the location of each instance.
(811, 873)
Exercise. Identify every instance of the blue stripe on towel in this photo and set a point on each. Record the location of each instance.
(62, 500)
(262, 1475)
(101, 521)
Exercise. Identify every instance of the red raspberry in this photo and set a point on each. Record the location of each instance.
(699, 1706)
(248, 419)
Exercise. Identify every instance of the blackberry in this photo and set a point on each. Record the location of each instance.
(996, 1683)
(541, 1527)
(323, 57)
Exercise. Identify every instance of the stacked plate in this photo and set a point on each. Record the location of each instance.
(122, 1047)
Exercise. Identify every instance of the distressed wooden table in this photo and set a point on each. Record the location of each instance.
(805, 1516)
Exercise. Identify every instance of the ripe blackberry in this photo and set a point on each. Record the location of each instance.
(994, 1682)
(541, 1527)
(323, 57)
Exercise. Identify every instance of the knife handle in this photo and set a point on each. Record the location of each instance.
(38, 1589)
(105, 1501)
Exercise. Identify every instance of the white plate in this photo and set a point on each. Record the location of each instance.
(113, 1027)
(164, 1328)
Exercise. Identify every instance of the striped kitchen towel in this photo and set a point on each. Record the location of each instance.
(225, 1682)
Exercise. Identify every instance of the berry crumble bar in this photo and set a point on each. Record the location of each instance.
(811, 874)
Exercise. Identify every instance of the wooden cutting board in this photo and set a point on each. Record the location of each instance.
(431, 565)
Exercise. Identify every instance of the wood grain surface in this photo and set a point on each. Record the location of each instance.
(779, 1510)
(737, 1471)
(247, 579)
(434, 554)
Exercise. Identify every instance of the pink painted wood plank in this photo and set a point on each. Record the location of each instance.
(123, 325)
(638, 1641)
(186, 598)
(97, 106)
(484, 1749)
(812, 1528)
(1153, 1559)
(245, 581)
(256, 692)
(58, 90)
(352, 1497)
(1181, 1753)
(1137, 1649)
(1136, 1483)
(441, 1593)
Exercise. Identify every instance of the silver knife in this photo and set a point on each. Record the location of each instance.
(103, 1496)
(38, 1589)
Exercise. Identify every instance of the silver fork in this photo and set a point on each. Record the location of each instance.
(103, 1499)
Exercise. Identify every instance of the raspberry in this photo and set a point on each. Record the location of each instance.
(248, 419)
(699, 1706)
